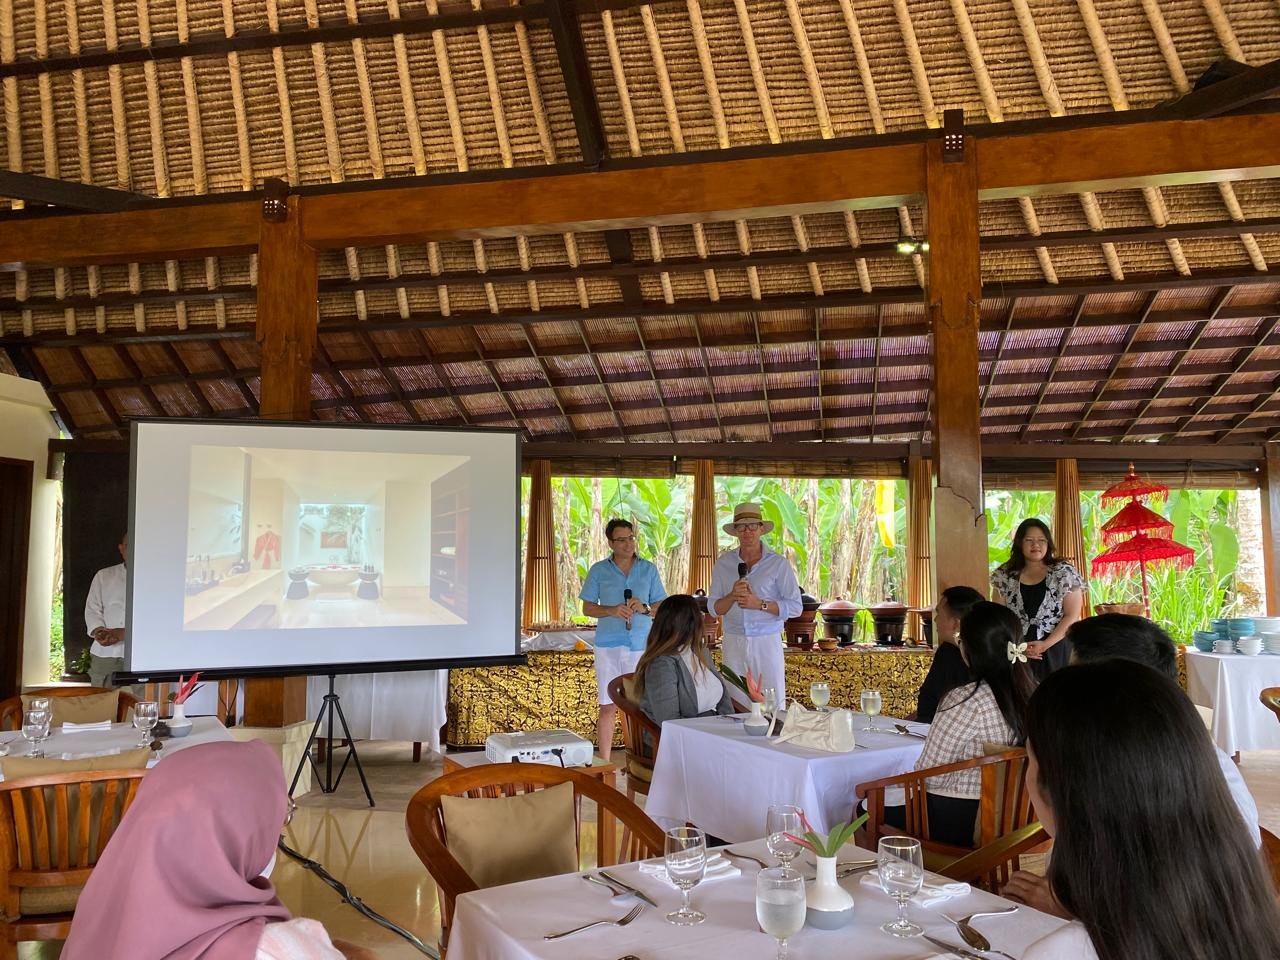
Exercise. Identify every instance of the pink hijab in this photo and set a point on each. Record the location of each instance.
(180, 878)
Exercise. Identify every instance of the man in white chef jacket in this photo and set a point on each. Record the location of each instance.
(104, 619)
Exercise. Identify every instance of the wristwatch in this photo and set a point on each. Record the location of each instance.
(764, 605)
(647, 608)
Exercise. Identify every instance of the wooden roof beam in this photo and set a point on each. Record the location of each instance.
(68, 194)
(1236, 367)
(575, 69)
(1058, 357)
(1247, 85)
(1118, 359)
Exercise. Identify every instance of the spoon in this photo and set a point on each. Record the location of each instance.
(617, 891)
(744, 856)
(906, 731)
(973, 937)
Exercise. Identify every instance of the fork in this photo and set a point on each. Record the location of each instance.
(745, 856)
(631, 915)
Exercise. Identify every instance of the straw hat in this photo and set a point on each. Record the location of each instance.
(747, 513)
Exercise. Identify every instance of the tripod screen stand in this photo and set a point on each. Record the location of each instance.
(331, 706)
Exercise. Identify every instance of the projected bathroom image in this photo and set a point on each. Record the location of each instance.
(291, 539)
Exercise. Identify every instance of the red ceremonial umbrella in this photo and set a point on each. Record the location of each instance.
(1132, 487)
(1135, 518)
(1138, 551)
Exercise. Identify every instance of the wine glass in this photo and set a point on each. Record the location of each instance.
(820, 695)
(686, 856)
(780, 905)
(871, 707)
(901, 875)
(40, 703)
(783, 818)
(145, 715)
(35, 728)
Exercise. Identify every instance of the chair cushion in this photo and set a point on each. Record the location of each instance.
(41, 901)
(639, 771)
(90, 708)
(16, 768)
(501, 840)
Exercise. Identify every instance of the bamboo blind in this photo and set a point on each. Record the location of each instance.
(541, 595)
(702, 536)
(1068, 527)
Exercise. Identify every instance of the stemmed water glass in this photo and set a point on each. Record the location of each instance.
(820, 695)
(145, 715)
(770, 703)
(871, 707)
(35, 728)
(686, 856)
(901, 875)
(780, 905)
(783, 818)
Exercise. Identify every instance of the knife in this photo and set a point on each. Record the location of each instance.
(955, 948)
(640, 894)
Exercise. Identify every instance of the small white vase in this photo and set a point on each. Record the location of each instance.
(828, 906)
(756, 725)
(178, 712)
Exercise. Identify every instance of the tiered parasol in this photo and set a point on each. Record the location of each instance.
(1137, 535)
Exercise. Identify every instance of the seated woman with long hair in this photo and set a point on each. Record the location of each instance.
(947, 670)
(1150, 854)
(675, 678)
(990, 708)
(185, 875)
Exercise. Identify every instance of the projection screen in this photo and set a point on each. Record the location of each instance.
(320, 548)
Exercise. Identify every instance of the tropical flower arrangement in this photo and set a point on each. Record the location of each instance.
(749, 684)
(186, 688)
(829, 845)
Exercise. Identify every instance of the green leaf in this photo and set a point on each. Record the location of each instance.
(1226, 548)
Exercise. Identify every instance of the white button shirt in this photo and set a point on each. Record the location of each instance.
(771, 579)
(105, 607)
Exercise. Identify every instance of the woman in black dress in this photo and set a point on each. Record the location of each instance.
(1045, 592)
(948, 669)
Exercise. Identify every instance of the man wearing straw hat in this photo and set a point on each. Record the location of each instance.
(755, 591)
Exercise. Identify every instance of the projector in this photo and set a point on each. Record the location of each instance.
(539, 746)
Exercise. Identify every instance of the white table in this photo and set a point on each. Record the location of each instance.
(1230, 684)
(508, 923)
(121, 737)
(711, 773)
(387, 706)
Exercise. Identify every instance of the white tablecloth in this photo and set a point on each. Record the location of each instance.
(508, 923)
(710, 773)
(1230, 684)
(121, 737)
(387, 706)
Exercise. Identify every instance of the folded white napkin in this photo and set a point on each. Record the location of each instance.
(74, 727)
(933, 891)
(718, 868)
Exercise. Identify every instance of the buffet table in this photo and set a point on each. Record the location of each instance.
(557, 689)
(1230, 684)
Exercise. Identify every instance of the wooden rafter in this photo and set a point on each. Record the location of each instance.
(180, 365)
(99, 393)
(575, 68)
(875, 374)
(335, 377)
(1237, 366)
(67, 194)
(388, 375)
(1077, 313)
(604, 386)
(1003, 339)
(1247, 86)
(546, 373)
(1118, 359)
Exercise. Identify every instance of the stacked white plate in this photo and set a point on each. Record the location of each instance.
(1250, 646)
(1271, 643)
(1266, 625)
(1224, 646)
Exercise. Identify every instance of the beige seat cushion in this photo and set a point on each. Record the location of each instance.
(501, 840)
(42, 901)
(90, 708)
(639, 771)
(17, 768)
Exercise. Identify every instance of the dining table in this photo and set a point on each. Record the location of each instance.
(509, 922)
(1230, 684)
(118, 738)
(710, 772)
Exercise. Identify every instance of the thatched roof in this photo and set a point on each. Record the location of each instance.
(1129, 314)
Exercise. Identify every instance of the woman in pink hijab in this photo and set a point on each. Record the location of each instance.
(184, 876)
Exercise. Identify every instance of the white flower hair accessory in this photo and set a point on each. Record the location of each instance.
(1017, 652)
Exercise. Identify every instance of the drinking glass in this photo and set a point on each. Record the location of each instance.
(820, 695)
(780, 905)
(770, 700)
(35, 728)
(40, 703)
(871, 707)
(686, 856)
(783, 818)
(901, 875)
(145, 715)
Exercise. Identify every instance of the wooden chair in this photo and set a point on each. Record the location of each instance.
(1005, 805)
(52, 831)
(424, 821)
(11, 709)
(1271, 856)
(991, 865)
(1270, 698)
(640, 735)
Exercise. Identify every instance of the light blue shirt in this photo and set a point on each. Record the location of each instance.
(771, 579)
(604, 585)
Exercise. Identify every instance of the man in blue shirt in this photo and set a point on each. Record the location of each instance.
(623, 624)
(754, 604)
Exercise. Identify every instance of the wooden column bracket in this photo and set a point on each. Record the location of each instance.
(275, 205)
(953, 136)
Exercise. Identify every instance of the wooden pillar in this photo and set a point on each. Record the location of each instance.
(919, 544)
(1068, 527)
(541, 594)
(703, 542)
(288, 294)
(1270, 498)
(954, 295)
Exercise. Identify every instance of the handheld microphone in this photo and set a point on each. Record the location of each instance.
(626, 595)
(742, 570)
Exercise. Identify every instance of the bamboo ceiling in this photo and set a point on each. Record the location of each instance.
(1130, 314)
